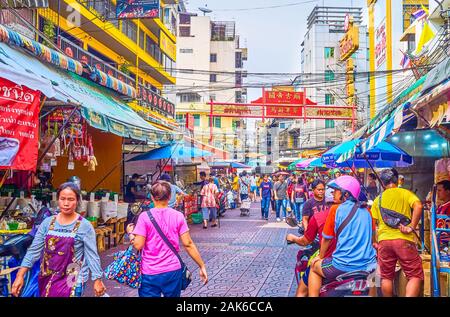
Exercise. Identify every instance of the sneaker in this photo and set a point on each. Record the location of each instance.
(278, 219)
(266, 219)
(284, 218)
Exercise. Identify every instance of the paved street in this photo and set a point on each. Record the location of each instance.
(244, 257)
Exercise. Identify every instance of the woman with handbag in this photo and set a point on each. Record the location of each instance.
(67, 248)
(157, 234)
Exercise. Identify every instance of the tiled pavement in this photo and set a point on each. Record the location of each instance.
(246, 256)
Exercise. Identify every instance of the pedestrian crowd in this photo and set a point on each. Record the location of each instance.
(348, 229)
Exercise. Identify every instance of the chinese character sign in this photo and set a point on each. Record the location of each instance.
(19, 126)
(380, 44)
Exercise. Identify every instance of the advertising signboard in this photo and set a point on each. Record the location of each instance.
(137, 9)
(19, 126)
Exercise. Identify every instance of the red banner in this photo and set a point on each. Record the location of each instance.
(19, 126)
(190, 122)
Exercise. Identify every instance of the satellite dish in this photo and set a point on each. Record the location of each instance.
(205, 10)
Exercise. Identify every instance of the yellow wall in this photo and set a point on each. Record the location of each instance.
(108, 151)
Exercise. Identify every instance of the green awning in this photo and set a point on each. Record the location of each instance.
(101, 107)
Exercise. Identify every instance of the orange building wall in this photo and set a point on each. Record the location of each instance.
(108, 151)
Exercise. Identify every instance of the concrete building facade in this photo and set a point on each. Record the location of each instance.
(210, 67)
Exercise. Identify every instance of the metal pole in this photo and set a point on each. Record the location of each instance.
(434, 270)
(210, 121)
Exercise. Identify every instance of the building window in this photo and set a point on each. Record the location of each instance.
(142, 40)
(196, 120)
(239, 63)
(238, 95)
(283, 125)
(212, 97)
(186, 50)
(212, 78)
(185, 31)
(189, 97)
(181, 118)
(329, 52)
(129, 29)
(330, 143)
(329, 99)
(329, 124)
(218, 122)
(329, 75)
(213, 58)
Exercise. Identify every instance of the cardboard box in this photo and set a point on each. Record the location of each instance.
(444, 279)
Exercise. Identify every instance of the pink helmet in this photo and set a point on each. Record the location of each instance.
(346, 184)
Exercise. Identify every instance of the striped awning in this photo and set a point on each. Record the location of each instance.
(390, 126)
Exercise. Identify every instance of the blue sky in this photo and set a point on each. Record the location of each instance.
(272, 36)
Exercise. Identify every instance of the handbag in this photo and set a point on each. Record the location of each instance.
(392, 218)
(186, 276)
(126, 268)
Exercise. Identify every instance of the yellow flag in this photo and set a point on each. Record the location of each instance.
(426, 36)
(425, 9)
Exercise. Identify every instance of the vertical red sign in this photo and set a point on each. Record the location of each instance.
(19, 126)
(190, 122)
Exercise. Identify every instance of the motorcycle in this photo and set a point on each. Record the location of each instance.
(16, 248)
(355, 283)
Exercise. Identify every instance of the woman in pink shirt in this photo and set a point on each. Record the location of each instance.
(209, 204)
(161, 270)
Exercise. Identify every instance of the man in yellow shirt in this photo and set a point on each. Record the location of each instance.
(397, 244)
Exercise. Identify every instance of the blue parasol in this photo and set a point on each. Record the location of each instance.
(382, 155)
(173, 151)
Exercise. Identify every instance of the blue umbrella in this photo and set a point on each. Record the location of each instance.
(383, 155)
(174, 151)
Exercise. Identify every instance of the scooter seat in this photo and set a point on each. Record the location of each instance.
(16, 246)
(353, 275)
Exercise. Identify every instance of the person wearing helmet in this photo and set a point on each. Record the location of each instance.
(353, 228)
(314, 235)
(397, 244)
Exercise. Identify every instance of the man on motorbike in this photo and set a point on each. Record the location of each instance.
(353, 228)
(315, 228)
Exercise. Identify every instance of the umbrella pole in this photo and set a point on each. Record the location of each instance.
(376, 174)
(356, 176)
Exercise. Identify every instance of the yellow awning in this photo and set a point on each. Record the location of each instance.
(312, 153)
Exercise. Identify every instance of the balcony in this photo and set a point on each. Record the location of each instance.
(146, 97)
(98, 24)
(223, 31)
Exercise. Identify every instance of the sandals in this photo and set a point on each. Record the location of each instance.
(214, 225)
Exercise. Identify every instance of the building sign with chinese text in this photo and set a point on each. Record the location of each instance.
(153, 100)
(350, 42)
(329, 112)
